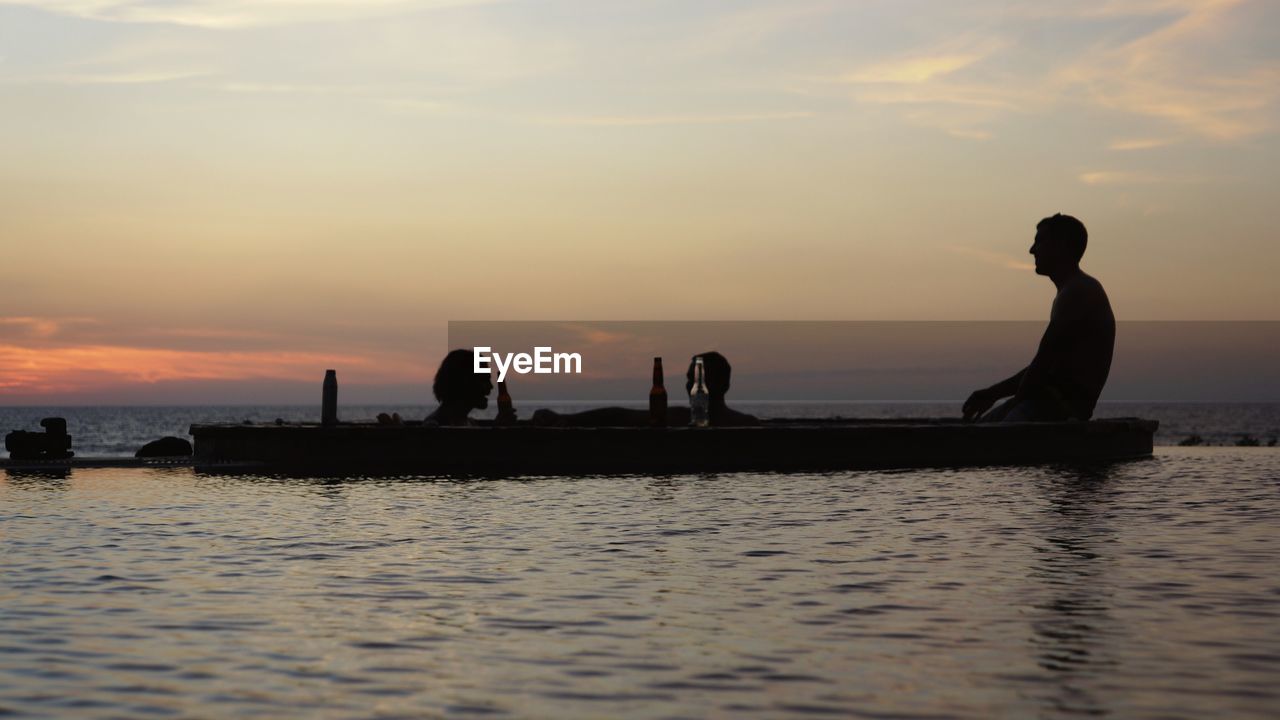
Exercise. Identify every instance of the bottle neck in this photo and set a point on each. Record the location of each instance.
(657, 373)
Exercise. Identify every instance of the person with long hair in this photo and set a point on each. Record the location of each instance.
(459, 390)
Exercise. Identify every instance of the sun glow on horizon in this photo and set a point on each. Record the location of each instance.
(70, 370)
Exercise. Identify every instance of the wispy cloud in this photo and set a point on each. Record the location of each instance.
(1123, 177)
(970, 134)
(991, 257)
(1110, 9)
(927, 88)
(753, 25)
(912, 70)
(1171, 73)
(40, 328)
(648, 120)
(961, 110)
(137, 77)
(260, 88)
(392, 99)
(222, 14)
(1185, 72)
(1126, 144)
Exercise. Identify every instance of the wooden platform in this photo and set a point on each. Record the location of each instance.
(780, 446)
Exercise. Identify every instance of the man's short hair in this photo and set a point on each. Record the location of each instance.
(1067, 230)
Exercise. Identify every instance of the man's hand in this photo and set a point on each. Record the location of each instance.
(978, 403)
(1000, 412)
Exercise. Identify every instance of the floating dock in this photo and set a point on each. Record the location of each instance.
(774, 446)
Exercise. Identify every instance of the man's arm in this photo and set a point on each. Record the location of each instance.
(1069, 312)
(982, 400)
(1053, 346)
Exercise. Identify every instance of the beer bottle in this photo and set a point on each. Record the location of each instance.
(657, 397)
(699, 398)
(506, 412)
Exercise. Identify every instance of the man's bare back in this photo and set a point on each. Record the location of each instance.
(1079, 343)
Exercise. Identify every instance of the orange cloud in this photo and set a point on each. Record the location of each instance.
(25, 370)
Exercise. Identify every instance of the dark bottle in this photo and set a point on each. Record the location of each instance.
(329, 398)
(506, 411)
(657, 397)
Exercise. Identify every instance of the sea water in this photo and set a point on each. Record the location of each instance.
(1141, 589)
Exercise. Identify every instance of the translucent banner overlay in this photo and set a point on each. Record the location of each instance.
(807, 361)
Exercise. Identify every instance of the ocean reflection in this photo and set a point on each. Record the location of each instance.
(1138, 590)
(1070, 619)
(54, 478)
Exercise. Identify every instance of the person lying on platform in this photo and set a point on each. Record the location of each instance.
(1070, 368)
(459, 389)
(717, 371)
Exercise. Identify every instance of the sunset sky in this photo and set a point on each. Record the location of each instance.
(216, 200)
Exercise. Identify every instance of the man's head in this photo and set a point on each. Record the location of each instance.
(1059, 245)
(457, 383)
(717, 372)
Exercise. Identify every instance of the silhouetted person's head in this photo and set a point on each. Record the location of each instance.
(716, 370)
(1059, 245)
(458, 385)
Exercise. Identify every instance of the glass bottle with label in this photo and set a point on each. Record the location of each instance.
(699, 398)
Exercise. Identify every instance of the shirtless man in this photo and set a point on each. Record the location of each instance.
(1066, 376)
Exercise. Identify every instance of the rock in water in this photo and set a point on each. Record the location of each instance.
(165, 447)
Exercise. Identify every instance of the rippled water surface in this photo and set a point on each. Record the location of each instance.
(1145, 589)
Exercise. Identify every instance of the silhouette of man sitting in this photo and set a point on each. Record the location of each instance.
(459, 390)
(717, 371)
(1069, 370)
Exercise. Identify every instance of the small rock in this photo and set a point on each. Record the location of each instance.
(165, 447)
